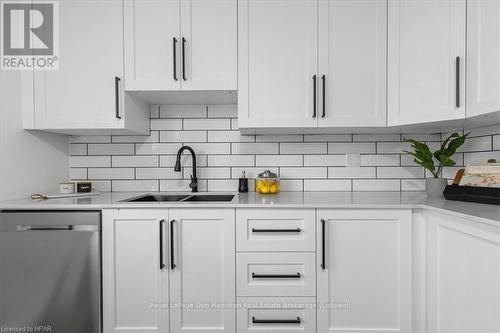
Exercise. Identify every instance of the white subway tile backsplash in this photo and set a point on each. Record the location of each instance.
(496, 142)
(327, 185)
(279, 160)
(134, 161)
(156, 148)
(376, 185)
(153, 137)
(400, 172)
(183, 136)
(351, 172)
(379, 160)
(324, 160)
(77, 149)
(304, 162)
(413, 185)
(78, 173)
(303, 148)
(111, 173)
(166, 124)
(135, 185)
(254, 148)
(351, 148)
(231, 160)
(89, 161)
(207, 124)
(222, 111)
(157, 173)
(183, 111)
(228, 136)
(111, 149)
(303, 173)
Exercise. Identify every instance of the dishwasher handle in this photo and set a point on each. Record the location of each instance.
(57, 228)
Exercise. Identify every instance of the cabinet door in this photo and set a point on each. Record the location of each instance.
(463, 260)
(426, 60)
(202, 275)
(483, 57)
(135, 283)
(81, 93)
(277, 50)
(209, 44)
(152, 39)
(352, 65)
(365, 283)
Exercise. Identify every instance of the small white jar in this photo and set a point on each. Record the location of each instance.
(66, 188)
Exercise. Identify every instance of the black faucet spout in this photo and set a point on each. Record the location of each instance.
(194, 180)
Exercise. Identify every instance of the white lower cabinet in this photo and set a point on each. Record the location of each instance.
(154, 261)
(276, 314)
(135, 281)
(463, 275)
(364, 270)
(202, 284)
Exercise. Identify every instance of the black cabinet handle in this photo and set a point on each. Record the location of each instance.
(174, 48)
(184, 58)
(323, 78)
(162, 264)
(457, 82)
(323, 244)
(117, 98)
(276, 276)
(276, 230)
(172, 263)
(314, 96)
(275, 321)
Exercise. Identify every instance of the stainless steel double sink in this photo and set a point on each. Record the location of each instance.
(182, 198)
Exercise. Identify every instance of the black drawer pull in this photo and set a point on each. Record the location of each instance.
(172, 263)
(162, 264)
(276, 230)
(276, 276)
(275, 321)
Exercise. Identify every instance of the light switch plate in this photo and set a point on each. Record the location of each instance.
(352, 160)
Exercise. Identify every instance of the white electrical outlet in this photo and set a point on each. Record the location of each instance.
(352, 160)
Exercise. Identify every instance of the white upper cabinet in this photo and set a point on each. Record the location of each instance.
(352, 62)
(180, 45)
(85, 95)
(277, 63)
(209, 45)
(483, 57)
(426, 61)
(152, 30)
(309, 64)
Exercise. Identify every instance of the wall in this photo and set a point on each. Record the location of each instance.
(29, 161)
(304, 162)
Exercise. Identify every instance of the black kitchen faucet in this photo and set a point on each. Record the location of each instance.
(194, 180)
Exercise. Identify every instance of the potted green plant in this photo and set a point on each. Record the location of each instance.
(424, 157)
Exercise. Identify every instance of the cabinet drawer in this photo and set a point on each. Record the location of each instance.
(275, 274)
(277, 314)
(275, 229)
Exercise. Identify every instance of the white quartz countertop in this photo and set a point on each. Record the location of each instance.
(342, 200)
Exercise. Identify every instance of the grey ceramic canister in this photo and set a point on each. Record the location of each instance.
(435, 186)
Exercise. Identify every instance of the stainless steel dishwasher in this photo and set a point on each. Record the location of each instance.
(50, 271)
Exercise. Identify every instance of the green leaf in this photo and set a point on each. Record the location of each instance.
(446, 161)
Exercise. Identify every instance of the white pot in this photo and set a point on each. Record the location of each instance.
(435, 186)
